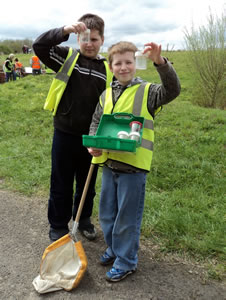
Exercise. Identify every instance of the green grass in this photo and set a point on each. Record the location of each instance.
(185, 192)
(186, 187)
(25, 134)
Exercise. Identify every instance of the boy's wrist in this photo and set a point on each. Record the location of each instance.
(160, 61)
(66, 30)
(161, 64)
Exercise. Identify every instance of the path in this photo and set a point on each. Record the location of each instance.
(24, 237)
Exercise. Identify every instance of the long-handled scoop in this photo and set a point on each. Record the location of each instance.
(64, 262)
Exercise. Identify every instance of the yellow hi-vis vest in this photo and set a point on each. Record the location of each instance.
(133, 100)
(10, 65)
(59, 83)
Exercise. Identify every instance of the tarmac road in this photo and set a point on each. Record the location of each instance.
(24, 237)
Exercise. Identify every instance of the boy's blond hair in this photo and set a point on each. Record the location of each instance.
(120, 47)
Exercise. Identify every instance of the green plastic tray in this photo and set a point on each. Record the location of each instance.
(106, 136)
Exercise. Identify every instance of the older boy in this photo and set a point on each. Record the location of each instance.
(72, 117)
(124, 175)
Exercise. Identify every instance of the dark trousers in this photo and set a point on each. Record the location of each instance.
(10, 76)
(36, 71)
(70, 163)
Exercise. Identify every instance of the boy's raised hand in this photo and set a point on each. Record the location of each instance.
(78, 27)
(153, 52)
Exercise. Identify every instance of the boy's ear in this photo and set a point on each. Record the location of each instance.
(102, 38)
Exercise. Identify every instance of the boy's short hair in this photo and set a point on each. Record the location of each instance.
(120, 47)
(93, 22)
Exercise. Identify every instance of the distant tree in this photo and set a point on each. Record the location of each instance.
(167, 48)
(5, 49)
(14, 46)
(207, 53)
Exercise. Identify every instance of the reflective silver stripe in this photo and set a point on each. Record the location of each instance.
(69, 62)
(149, 145)
(138, 105)
(138, 100)
(148, 124)
(62, 75)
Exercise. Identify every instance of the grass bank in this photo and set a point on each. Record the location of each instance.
(185, 195)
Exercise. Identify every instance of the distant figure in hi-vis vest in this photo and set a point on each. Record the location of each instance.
(8, 68)
(36, 65)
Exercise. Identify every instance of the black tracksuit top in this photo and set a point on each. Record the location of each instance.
(87, 82)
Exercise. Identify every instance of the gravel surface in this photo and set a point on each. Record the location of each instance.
(24, 237)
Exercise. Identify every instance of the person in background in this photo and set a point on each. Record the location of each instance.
(36, 65)
(19, 69)
(72, 116)
(124, 175)
(25, 49)
(9, 68)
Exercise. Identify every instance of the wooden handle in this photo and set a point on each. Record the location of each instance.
(82, 201)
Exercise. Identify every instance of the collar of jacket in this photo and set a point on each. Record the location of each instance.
(98, 57)
(134, 81)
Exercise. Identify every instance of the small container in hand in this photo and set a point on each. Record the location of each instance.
(141, 60)
(84, 37)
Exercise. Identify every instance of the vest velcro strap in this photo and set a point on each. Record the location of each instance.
(149, 145)
(62, 76)
(148, 124)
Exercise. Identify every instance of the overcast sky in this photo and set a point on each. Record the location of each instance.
(138, 21)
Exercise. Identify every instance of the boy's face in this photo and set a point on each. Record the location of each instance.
(123, 67)
(92, 48)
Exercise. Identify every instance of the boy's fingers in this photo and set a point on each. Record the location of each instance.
(76, 28)
(79, 27)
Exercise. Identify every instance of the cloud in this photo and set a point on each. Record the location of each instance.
(138, 24)
(137, 21)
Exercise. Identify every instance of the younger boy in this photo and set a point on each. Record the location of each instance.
(124, 175)
(72, 117)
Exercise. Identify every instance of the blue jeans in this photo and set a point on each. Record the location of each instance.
(120, 213)
(70, 164)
